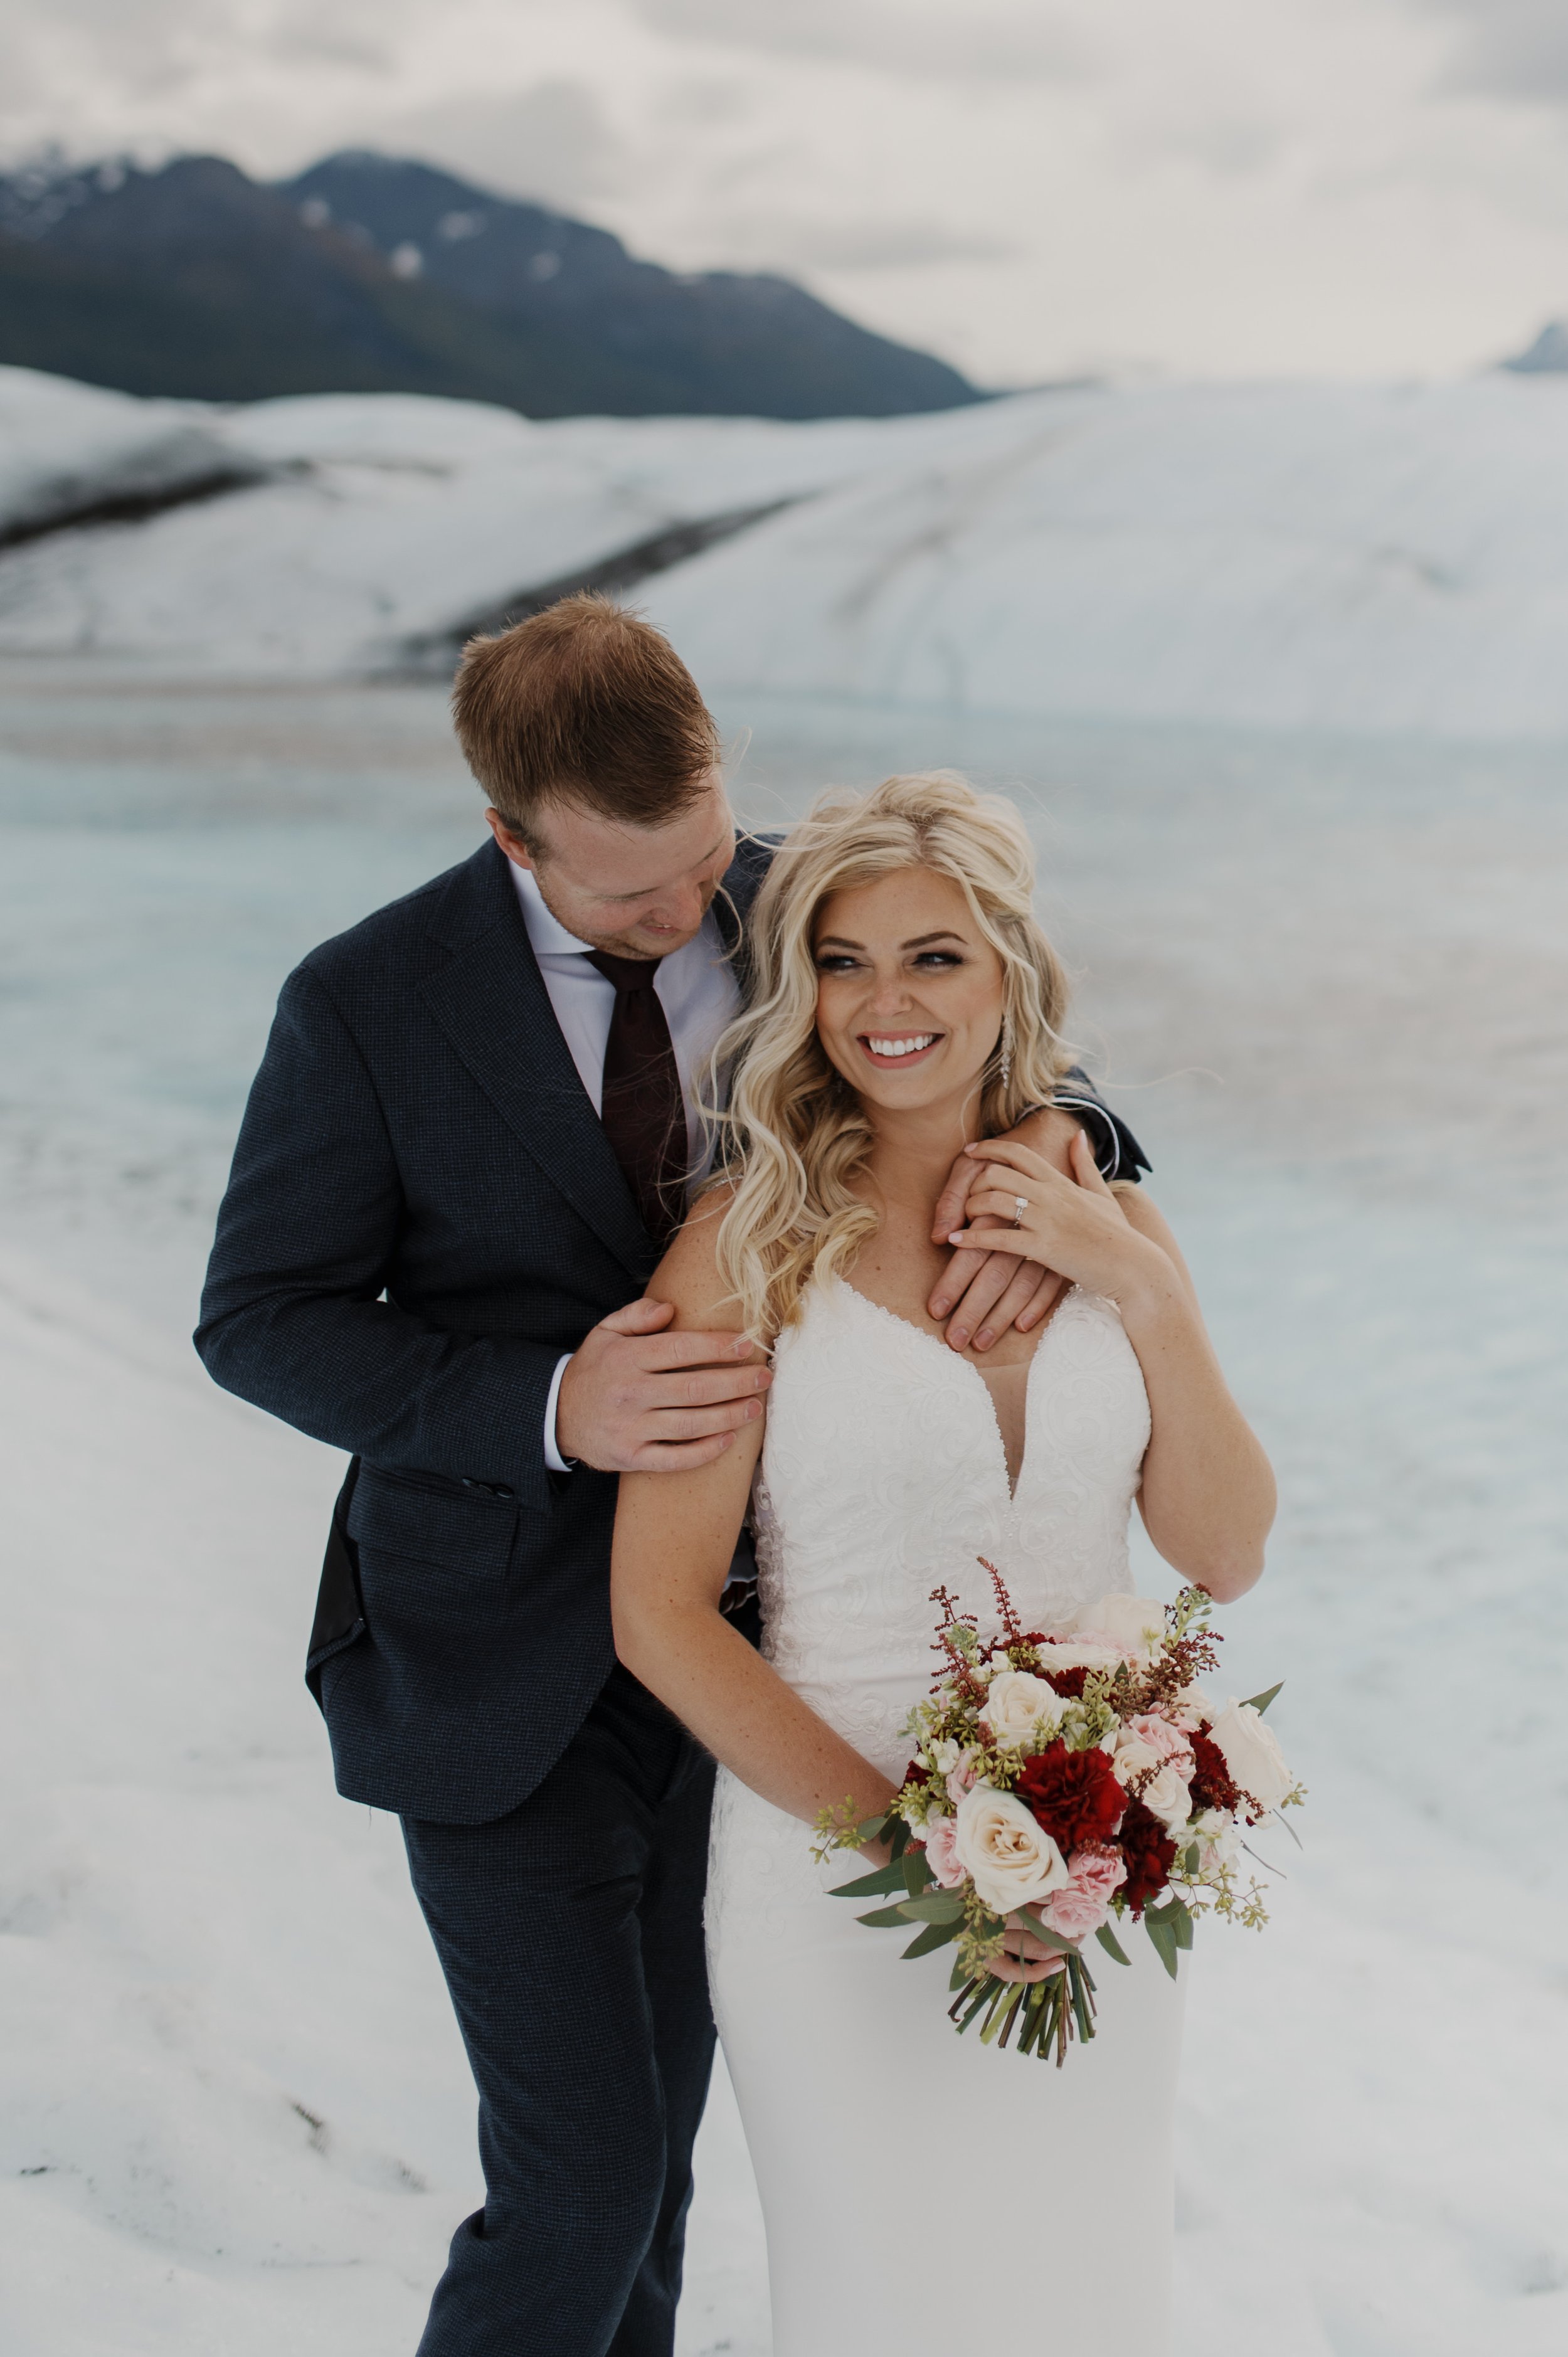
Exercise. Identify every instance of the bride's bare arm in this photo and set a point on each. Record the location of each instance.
(674, 1536)
(1207, 1496)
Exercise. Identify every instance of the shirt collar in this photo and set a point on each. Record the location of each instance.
(547, 935)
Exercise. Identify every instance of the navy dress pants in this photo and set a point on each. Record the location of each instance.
(570, 1935)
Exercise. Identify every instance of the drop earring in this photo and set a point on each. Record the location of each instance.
(1006, 1053)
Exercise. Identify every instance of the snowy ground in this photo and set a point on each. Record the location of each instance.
(1328, 975)
(1371, 557)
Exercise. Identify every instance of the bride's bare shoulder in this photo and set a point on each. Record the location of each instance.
(689, 1274)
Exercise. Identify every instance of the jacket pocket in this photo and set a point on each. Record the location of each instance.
(453, 1529)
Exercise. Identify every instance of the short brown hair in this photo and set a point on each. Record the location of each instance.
(583, 702)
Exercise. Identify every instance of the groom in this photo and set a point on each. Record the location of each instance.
(462, 1156)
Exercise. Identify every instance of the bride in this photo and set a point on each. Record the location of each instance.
(920, 2191)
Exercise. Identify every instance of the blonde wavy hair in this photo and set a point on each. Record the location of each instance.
(793, 1133)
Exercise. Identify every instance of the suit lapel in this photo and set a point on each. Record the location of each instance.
(490, 1001)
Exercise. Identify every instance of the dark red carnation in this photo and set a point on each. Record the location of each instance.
(1150, 1854)
(1073, 1794)
(917, 1774)
(1068, 1683)
(1213, 1787)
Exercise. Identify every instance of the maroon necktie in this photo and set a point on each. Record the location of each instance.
(642, 1110)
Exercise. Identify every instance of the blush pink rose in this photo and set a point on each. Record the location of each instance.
(961, 1776)
(1074, 1913)
(1169, 1741)
(1095, 1869)
(940, 1854)
(1085, 1903)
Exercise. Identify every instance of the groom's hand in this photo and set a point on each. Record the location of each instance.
(636, 1399)
(982, 1294)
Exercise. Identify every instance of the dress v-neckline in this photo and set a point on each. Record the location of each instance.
(968, 1367)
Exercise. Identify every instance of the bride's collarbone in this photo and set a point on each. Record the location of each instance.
(903, 1282)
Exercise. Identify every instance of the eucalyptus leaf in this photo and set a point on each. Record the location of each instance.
(933, 1907)
(916, 1869)
(1111, 1944)
(935, 1935)
(869, 1885)
(1260, 1702)
(885, 1918)
(1163, 1936)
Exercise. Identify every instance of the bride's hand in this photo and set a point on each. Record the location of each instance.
(980, 1295)
(1024, 1958)
(1075, 1225)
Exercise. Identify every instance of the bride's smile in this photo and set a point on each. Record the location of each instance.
(910, 997)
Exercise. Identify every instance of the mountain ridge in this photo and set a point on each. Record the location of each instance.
(376, 274)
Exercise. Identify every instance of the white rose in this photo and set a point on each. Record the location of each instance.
(1130, 1756)
(1069, 1656)
(1017, 1704)
(1011, 1859)
(1166, 1796)
(1136, 1623)
(1251, 1754)
(1191, 1708)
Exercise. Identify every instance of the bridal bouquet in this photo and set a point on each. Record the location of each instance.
(1061, 1778)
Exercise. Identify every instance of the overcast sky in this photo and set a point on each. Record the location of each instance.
(1032, 188)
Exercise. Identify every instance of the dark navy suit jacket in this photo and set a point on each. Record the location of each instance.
(424, 1213)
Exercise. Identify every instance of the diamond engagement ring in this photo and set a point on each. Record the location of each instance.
(1022, 1202)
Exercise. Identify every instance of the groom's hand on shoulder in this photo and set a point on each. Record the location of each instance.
(638, 1399)
(980, 1295)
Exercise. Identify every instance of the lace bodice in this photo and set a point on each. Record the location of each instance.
(884, 1474)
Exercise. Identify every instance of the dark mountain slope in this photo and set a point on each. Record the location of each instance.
(717, 341)
(367, 274)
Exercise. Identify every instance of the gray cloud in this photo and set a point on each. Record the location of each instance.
(553, 142)
(1508, 49)
(785, 242)
(92, 62)
(987, 42)
(1233, 147)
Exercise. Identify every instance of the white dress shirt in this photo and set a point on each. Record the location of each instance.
(696, 986)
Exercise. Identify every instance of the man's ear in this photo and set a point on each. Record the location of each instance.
(516, 850)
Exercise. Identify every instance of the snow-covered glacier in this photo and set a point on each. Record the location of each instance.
(1350, 558)
(1390, 558)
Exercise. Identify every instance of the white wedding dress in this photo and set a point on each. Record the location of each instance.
(923, 2194)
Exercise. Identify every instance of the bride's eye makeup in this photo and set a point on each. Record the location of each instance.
(933, 961)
